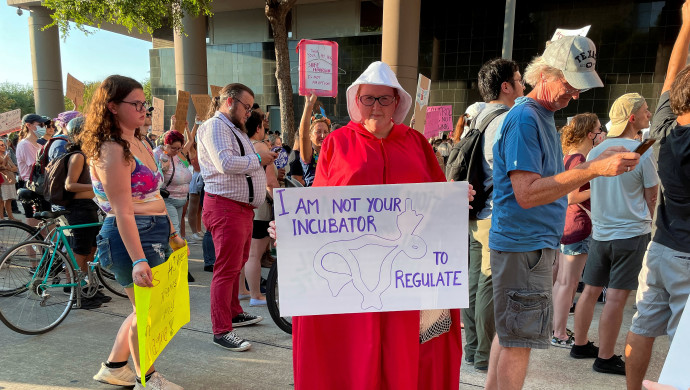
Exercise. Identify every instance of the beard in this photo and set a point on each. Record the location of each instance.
(237, 122)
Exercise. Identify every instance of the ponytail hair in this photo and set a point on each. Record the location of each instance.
(460, 127)
(213, 107)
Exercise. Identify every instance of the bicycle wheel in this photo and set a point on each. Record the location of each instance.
(15, 232)
(31, 302)
(284, 323)
(108, 281)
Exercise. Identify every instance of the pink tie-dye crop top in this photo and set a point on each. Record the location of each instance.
(146, 185)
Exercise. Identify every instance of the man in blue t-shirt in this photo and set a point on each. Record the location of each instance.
(530, 186)
(665, 276)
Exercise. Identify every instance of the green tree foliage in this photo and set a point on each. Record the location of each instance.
(143, 15)
(13, 96)
(147, 90)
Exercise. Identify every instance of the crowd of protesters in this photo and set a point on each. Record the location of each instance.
(566, 207)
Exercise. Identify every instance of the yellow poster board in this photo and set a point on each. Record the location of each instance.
(162, 309)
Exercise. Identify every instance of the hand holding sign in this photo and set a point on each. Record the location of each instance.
(75, 91)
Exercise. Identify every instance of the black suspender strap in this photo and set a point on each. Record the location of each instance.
(249, 178)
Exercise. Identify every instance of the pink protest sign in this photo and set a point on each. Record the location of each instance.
(438, 119)
(318, 68)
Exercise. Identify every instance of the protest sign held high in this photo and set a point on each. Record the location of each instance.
(181, 110)
(372, 248)
(201, 104)
(421, 101)
(75, 91)
(318, 68)
(158, 116)
(10, 121)
(438, 120)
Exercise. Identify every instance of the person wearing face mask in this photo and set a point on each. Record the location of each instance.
(45, 132)
(312, 130)
(8, 171)
(529, 196)
(59, 146)
(27, 151)
(577, 138)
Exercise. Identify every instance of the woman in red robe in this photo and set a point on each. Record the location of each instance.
(375, 350)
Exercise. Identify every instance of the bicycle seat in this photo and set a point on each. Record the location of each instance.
(43, 215)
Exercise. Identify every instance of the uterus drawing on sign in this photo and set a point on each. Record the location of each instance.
(338, 264)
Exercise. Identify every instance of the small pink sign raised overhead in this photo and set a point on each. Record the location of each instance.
(318, 68)
(438, 119)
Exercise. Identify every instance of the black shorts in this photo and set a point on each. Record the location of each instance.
(81, 212)
(260, 229)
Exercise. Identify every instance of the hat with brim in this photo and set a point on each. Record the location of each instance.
(30, 118)
(576, 57)
(378, 73)
(621, 111)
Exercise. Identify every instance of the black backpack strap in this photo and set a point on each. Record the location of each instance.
(250, 184)
(487, 121)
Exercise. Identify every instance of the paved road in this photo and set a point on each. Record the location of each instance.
(67, 357)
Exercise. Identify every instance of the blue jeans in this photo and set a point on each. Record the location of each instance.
(209, 249)
(174, 207)
(112, 254)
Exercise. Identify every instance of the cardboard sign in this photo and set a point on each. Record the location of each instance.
(201, 105)
(561, 32)
(282, 160)
(215, 90)
(421, 101)
(10, 121)
(675, 371)
(181, 110)
(162, 309)
(372, 248)
(158, 116)
(318, 68)
(438, 120)
(75, 91)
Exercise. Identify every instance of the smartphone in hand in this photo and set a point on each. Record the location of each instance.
(644, 146)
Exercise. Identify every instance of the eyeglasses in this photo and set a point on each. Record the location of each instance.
(384, 100)
(173, 148)
(521, 81)
(247, 107)
(139, 106)
(571, 91)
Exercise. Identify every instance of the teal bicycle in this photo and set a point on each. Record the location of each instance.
(40, 281)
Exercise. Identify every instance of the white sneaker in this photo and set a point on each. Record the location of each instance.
(123, 376)
(197, 237)
(157, 382)
(190, 240)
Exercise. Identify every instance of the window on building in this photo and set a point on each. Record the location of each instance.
(371, 16)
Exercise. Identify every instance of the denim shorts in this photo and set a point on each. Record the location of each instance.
(112, 254)
(576, 248)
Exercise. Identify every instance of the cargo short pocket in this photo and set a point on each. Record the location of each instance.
(528, 313)
(105, 258)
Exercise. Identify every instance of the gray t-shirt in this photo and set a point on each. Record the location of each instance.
(619, 210)
(488, 146)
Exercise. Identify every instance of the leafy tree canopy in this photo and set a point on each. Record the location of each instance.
(144, 15)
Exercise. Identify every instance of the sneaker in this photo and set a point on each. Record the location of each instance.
(197, 237)
(123, 376)
(257, 302)
(208, 268)
(87, 304)
(157, 382)
(232, 342)
(612, 365)
(570, 333)
(245, 319)
(567, 343)
(587, 351)
(469, 360)
(102, 297)
(242, 297)
(482, 369)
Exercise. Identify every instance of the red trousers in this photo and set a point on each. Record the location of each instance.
(230, 224)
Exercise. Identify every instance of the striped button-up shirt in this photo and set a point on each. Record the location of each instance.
(222, 165)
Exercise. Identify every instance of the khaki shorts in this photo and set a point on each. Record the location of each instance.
(663, 292)
(522, 297)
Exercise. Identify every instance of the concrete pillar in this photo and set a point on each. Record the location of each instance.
(400, 46)
(508, 27)
(190, 61)
(45, 64)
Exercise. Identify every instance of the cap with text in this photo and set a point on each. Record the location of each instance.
(576, 57)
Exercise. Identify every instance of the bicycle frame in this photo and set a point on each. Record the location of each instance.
(56, 237)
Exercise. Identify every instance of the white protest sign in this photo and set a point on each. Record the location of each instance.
(373, 248)
(318, 68)
(675, 371)
(10, 121)
(561, 32)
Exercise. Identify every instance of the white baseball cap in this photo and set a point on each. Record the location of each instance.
(575, 56)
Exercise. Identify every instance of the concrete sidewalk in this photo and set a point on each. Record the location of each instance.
(68, 356)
